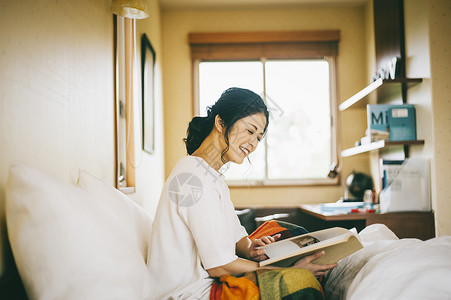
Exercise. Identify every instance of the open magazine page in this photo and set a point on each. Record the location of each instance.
(287, 247)
(326, 234)
(337, 242)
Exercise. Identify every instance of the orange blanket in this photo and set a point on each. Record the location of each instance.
(230, 287)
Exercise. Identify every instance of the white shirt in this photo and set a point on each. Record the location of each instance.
(195, 228)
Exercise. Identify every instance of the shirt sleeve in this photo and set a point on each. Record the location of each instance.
(213, 231)
(240, 231)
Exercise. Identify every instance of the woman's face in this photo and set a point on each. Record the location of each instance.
(244, 137)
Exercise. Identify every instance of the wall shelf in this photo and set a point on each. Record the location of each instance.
(377, 145)
(386, 89)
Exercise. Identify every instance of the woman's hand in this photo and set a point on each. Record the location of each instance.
(317, 270)
(260, 254)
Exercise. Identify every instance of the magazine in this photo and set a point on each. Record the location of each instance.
(336, 242)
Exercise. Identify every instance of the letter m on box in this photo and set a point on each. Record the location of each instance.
(377, 116)
(378, 119)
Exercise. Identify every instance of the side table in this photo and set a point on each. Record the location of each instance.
(404, 224)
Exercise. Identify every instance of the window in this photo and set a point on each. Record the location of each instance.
(298, 86)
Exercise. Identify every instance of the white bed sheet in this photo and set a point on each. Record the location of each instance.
(389, 268)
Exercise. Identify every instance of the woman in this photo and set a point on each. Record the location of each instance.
(196, 234)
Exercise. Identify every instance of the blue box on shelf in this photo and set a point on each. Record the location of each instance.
(398, 120)
(402, 122)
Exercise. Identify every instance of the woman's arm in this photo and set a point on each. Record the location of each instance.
(317, 270)
(248, 253)
(248, 249)
(240, 266)
(242, 247)
(236, 267)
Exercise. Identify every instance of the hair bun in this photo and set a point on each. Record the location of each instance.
(198, 130)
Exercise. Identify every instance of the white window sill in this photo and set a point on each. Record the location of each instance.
(127, 189)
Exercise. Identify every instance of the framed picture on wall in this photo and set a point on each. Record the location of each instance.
(148, 106)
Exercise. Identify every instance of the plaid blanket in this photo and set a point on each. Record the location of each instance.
(287, 284)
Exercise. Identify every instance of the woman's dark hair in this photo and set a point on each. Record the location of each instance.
(234, 104)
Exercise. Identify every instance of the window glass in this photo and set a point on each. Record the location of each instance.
(215, 77)
(299, 138)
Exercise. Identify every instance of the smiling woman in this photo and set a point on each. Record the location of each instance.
(196, 234)
(245, 136)
(233, 125)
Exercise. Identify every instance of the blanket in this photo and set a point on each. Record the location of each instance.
(270, 284)
(392, 268)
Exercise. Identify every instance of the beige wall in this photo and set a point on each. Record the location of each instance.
(427, 32)
(439, 21)
(177, 82)
(427, 38)
(150, 168)
(57, 93)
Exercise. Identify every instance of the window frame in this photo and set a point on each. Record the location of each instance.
(125, 67)
(262, 46)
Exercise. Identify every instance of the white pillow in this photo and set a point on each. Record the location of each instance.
(68, 244)
(130, 216)
(376, 232)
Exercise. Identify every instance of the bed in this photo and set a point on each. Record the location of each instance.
(392, 268)
(90, 241)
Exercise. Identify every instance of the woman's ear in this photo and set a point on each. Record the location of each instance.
(219, 123)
